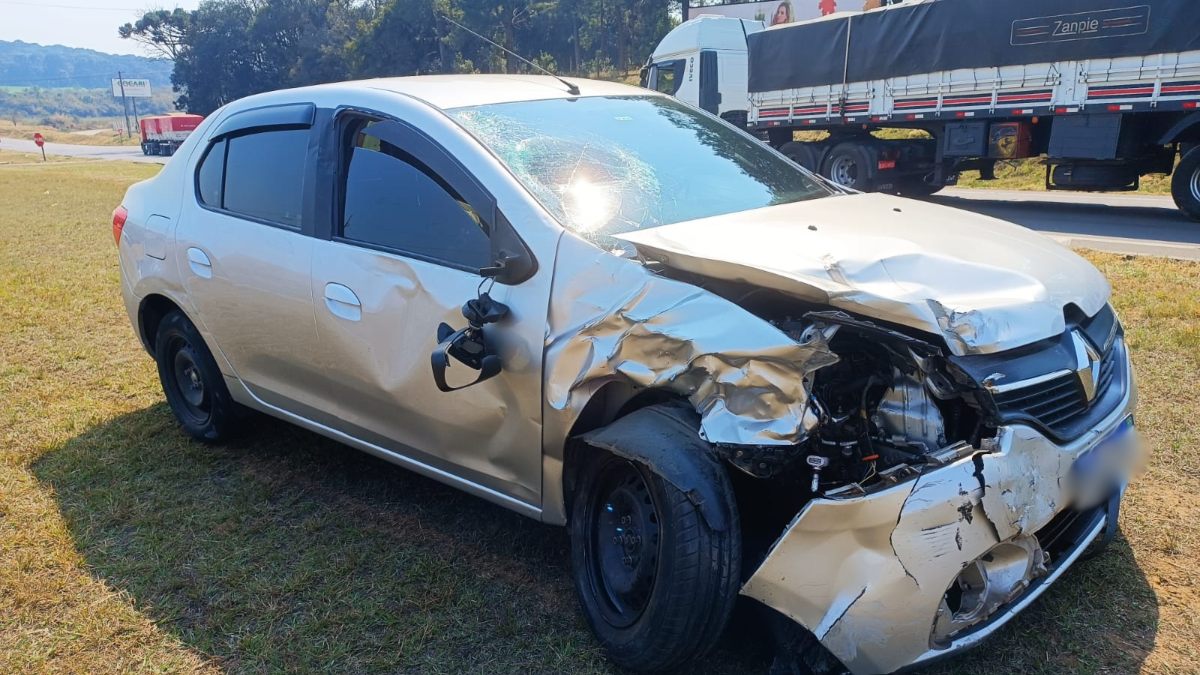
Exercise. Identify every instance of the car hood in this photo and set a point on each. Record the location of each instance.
(983, 284)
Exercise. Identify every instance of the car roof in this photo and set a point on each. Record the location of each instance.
(457, 91)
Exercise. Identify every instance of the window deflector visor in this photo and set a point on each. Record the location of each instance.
(518, 262)
(297, 115)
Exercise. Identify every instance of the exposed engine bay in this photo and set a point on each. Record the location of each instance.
(885, 408)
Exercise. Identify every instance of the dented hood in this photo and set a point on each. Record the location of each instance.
(983, 284)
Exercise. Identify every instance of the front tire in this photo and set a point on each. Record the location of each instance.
(192, 382)
(1185, 184)
(657, 584)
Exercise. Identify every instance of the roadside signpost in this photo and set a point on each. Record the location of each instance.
(41, 143)
(130, 88)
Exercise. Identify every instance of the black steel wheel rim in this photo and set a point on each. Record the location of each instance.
(189, 382)
(625, 537)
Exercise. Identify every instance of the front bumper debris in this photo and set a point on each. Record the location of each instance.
(920, 570)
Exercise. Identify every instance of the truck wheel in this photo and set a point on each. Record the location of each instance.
(849, 165)
(192, 381)
(1185, 184)
(657, 584)
(802, 153)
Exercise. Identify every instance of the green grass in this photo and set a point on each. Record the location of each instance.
(125, 547)
(1030, 174)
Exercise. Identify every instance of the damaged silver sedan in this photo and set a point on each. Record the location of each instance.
(887, 424)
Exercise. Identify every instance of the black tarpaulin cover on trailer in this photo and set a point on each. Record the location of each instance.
(950, 34)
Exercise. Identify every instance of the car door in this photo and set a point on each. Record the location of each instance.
(410, 236)
(244, 246)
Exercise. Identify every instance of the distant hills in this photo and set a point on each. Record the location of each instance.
(54, 66)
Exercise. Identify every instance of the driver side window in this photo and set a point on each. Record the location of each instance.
(394, 202)
(665, 76)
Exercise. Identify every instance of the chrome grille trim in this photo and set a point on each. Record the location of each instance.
(1057, 400)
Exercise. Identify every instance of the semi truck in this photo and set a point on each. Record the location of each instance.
(1105, 92)
(163, 134)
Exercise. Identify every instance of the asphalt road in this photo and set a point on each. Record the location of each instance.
(123, 153)
(1131, 224)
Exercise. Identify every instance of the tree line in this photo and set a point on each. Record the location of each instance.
(227, 49)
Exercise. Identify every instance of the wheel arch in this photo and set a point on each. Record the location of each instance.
(662, 434)
(151, 311)
(1186, 130)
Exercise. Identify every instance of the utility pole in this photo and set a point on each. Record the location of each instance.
(124, 105)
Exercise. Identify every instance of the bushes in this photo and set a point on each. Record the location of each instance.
(56, 107)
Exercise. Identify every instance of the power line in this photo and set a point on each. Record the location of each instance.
(84, 7)
(81, 76)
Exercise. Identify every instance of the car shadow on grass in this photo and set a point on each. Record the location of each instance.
(287, 551)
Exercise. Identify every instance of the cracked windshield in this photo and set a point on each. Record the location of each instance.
(604, 166)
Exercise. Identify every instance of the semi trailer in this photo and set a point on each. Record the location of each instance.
(1105, 92)
(163, 134)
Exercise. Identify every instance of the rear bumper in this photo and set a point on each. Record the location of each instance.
(869, 576)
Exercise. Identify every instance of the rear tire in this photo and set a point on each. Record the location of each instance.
(849, 165)
(1185, 184)
(192, 382)
(656, 583)
(803, 154)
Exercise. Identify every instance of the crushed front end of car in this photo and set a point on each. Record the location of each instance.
(915, 569)
(923, 433)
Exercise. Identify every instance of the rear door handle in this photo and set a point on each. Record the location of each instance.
(342, 302)
(199, 262)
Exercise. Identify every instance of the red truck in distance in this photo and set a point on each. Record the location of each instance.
(163, 134)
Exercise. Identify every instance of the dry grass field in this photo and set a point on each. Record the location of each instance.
(97, 134)
(125, 547)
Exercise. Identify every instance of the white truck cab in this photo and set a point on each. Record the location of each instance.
(703, 62)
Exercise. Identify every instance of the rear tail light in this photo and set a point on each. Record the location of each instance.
(120, 214)
(887, 164)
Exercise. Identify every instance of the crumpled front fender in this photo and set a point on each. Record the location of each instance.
(613, 320)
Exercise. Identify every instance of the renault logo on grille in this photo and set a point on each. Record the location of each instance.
(1087, 365)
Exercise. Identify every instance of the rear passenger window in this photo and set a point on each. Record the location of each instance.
(211, 177)
(395, 202)
(264, 175)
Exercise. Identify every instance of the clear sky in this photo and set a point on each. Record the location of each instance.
(78, 23)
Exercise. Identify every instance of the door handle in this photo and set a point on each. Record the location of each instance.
(342, 302)
(199, 262)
